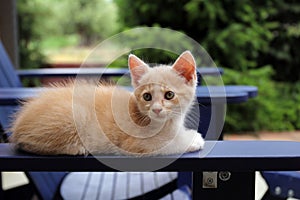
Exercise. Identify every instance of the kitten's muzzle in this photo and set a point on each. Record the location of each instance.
(157, 110)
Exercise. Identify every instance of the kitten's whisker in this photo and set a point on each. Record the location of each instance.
(179, 113)
(199, 104)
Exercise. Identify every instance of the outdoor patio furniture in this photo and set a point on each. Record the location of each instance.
(247, 175)
(240, 158)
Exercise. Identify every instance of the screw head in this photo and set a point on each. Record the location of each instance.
(210, 181)
(291, 193)
(224, 175)
(277, 190)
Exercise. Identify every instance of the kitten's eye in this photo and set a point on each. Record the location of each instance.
(147, 96)
(169, 95)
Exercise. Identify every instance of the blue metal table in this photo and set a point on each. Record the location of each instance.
(241, 157)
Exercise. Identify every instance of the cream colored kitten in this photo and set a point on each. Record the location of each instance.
(149, 121)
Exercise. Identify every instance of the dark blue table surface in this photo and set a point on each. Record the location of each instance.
(216, 156)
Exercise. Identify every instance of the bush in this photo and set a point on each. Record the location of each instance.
(255, 41)
(274, 108)
(29, 16)
(91, 20)
(54, 23)
(233, 38)
(284, 47)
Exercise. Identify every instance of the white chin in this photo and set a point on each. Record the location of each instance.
(158, 117)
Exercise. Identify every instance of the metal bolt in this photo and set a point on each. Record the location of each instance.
(291, 193)
(277, 190)
(210, 180)
(224, 175)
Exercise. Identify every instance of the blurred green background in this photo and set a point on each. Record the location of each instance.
(256, 42)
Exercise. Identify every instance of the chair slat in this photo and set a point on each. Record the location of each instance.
(135, 183)
(112, 185)
(76, 189)
(168, 197)
(180, 195)
(108, 186)
(92, 190)
(121, 185)
(148, 181)
(163, 178)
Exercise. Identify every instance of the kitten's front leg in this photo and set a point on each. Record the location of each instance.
(197, 142)
(184, 141)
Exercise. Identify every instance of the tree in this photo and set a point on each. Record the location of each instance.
(237, 34)
(222, 27)
(283, 53)
(29, 15)
(92, 20)
(258, 40)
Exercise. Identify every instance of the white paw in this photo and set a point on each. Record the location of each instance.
(197, 142)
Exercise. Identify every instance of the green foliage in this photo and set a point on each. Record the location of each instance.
(92, 20)
(274, 108)
(154, 44)
(234, 39)
(29, 19)
(284, 47)
(52, 24)
(256, 41)
(45, 24)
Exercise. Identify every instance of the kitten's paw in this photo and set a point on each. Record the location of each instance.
(197, 143)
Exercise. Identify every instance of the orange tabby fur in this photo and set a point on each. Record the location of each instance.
(82, 118)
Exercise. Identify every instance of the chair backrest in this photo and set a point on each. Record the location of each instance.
(47, 184)
(8, 75)
(8, 78)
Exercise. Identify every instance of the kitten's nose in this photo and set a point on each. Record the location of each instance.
(157, 110)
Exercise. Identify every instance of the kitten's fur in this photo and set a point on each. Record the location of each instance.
(59, 121)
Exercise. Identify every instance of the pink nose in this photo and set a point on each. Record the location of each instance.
(157, 110)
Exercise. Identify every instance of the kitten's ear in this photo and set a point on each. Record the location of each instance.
(185, 65)
(137, 69)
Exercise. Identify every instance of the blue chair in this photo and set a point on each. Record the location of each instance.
(9, 79)
(47, 184)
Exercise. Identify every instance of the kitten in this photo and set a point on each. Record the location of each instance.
(81, 118)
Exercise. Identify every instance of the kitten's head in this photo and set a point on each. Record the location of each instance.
(164, 92)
